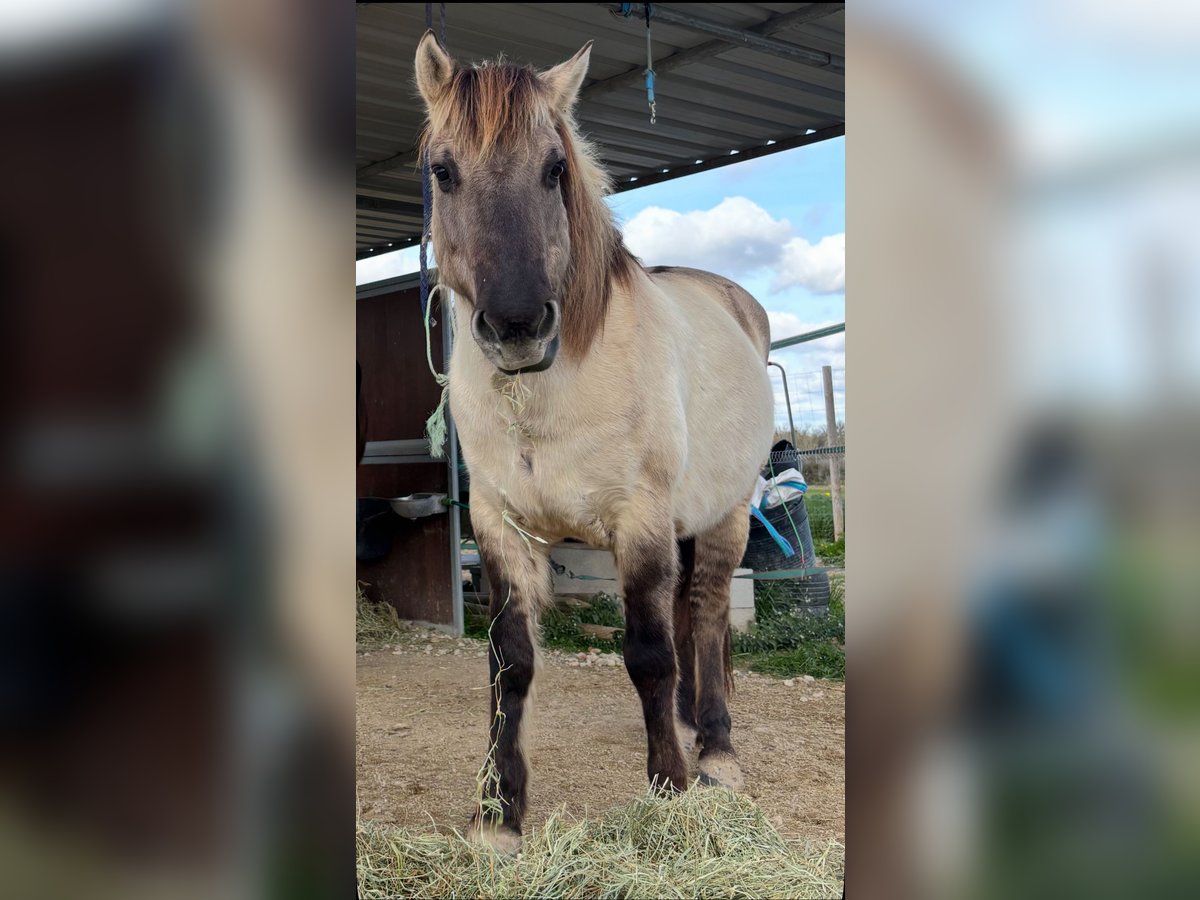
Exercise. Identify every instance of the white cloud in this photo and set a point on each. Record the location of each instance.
(820, 267)
(735, 237)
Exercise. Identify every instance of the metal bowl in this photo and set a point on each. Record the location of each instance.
(416, 506)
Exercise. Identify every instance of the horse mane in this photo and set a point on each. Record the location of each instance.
(599, 257)
(489, 104)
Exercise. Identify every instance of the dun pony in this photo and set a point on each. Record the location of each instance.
(596, 399)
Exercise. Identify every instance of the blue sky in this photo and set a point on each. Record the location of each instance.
(805, 186)
(776, 225)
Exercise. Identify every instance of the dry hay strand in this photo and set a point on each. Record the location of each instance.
(701, 843)
(375, 624)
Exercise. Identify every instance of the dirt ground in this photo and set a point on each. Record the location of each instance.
(422, 732)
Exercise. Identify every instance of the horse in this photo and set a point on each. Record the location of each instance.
(624, 406)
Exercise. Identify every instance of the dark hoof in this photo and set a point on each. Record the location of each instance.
(500, 838)
(721, 770)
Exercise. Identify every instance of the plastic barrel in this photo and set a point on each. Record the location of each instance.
(764, 555)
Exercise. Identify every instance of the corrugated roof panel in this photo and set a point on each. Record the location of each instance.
(738, 97)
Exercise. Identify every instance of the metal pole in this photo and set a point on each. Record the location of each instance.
(809, 336)
(452, 473)
(835, 488)
(787, 399)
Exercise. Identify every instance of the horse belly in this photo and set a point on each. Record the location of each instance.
(730, 428)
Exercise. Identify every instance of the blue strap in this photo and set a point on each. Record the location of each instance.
(775, 535)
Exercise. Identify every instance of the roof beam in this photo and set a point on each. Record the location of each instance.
(376, 230)
(709, 49)
(395, 161)
(413, 210)
(808, 90)
(381, 247)
(387, 194)
(799, 140)
(742, 37)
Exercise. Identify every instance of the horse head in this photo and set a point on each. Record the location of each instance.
(502, 166)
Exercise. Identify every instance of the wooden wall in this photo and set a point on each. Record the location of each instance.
(398, 394)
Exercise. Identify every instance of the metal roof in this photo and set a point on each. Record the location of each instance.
(754, 78)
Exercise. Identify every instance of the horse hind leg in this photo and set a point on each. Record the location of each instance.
(718, 552)
(685, 650)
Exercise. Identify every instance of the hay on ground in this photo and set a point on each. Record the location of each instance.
(374, 623)
(702, 843)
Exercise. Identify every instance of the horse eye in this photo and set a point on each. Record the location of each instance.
(442, 174)
(557, 169)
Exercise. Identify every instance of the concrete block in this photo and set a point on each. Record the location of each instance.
(741, 601)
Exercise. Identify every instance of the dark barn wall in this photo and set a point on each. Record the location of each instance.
(398, 394)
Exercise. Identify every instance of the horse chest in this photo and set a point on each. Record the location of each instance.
(557, 487)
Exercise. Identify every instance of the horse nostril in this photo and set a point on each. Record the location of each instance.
(549, 322)
(483, 328)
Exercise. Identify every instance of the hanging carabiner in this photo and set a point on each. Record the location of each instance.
(650, 94)
(650, 69)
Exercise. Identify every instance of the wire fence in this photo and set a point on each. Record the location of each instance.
(807, 392)
(803, 408)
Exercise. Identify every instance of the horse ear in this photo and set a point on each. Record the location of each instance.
(434, 67)
(565, 78)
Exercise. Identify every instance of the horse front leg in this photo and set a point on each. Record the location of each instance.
(647, 561)
(518, 571)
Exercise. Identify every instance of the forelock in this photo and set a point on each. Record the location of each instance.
(490, 105)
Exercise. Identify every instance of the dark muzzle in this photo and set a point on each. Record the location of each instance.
(518, 340)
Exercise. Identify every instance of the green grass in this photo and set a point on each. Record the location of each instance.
(819, 505)
(787, 642)
(560, 625)
(832, 553)
(819, 659)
